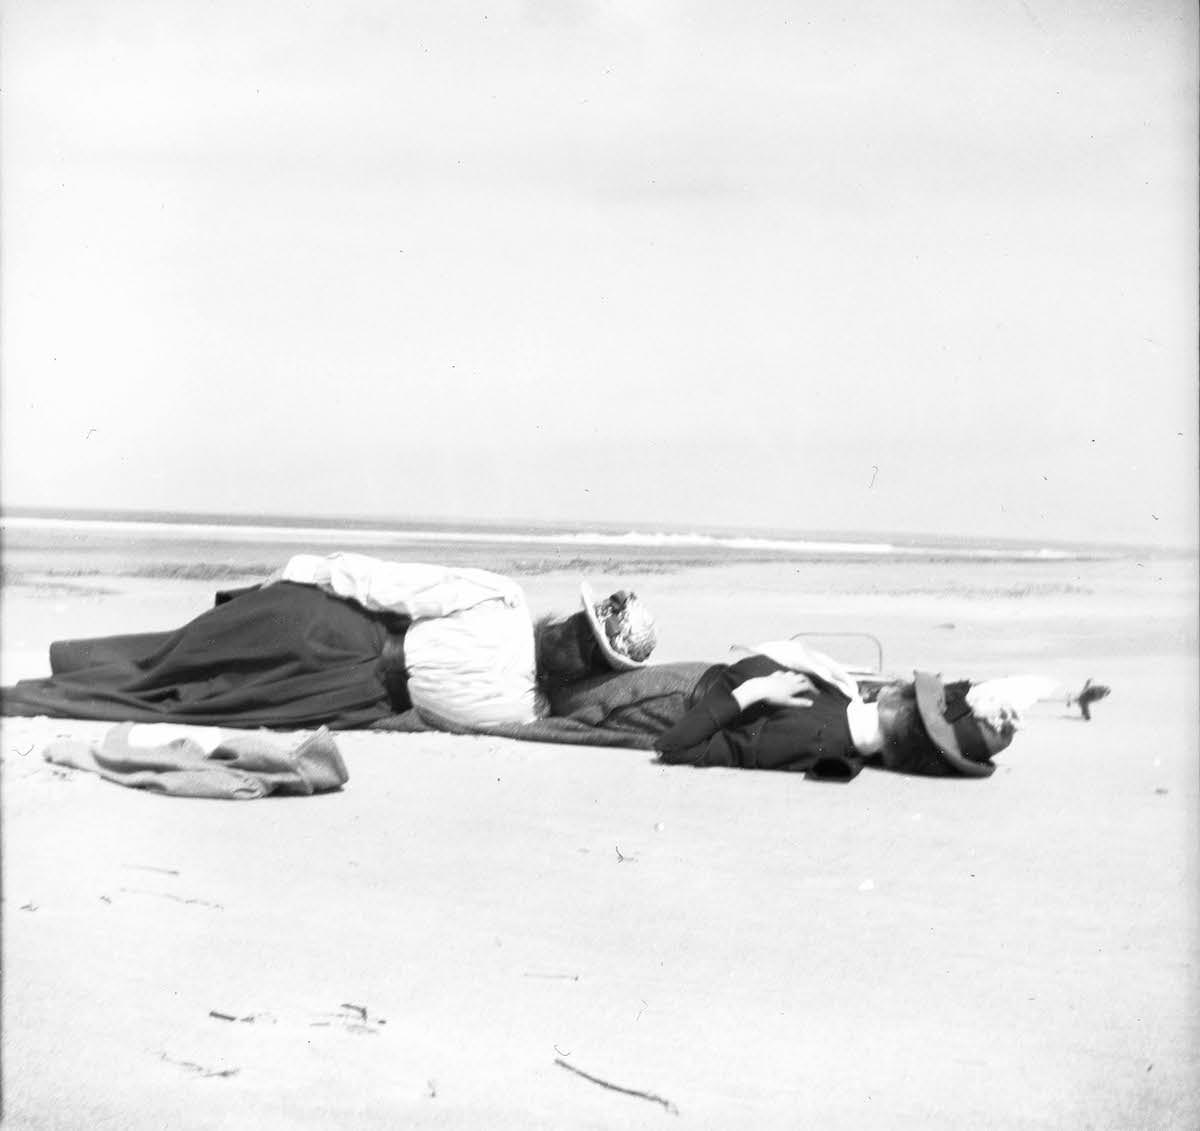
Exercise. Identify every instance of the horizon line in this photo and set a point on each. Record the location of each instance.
(316, 521)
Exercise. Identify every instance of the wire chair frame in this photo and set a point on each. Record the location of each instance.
(848, 635)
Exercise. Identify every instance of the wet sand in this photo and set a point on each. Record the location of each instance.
(431, 946)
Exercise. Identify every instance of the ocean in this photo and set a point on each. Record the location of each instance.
(228, 546)
(59, 572)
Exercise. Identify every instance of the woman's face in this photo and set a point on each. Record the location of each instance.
(906, 743)
(895, 707)
(566, 650)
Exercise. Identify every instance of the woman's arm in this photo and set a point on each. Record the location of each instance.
(779, 689)
(409, 588)
(698, 738)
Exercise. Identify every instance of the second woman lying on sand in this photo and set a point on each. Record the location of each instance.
(342, 641)
(784, 706)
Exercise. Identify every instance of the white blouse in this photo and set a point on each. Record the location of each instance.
(469, 650)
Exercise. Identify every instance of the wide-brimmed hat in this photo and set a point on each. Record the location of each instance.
(622, 625)
(967, 742)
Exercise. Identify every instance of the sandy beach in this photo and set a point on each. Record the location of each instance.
(472, 924)
(873, 322)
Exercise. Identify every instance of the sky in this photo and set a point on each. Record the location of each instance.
(926, 267)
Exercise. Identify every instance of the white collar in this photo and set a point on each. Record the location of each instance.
(864, 726)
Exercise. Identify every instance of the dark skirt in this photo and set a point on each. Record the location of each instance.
(285, 656)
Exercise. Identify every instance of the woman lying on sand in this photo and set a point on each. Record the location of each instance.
(342, 641)
(787, 707)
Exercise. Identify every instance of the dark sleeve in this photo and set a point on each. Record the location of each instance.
(699, 738)
(696, 739)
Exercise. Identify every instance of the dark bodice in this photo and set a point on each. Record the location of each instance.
(715, 732)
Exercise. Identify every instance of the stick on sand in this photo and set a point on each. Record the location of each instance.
(617, 1087)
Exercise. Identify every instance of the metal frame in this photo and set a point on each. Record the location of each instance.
(878, 670)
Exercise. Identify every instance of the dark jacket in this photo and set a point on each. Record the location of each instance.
(811, 740)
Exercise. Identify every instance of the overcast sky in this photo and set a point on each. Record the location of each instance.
(925, 266)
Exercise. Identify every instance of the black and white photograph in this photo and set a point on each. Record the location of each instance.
(587, 564)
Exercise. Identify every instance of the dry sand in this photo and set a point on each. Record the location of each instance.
(753, 949)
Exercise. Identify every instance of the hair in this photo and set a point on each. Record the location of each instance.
(907, 746)
(566, 650)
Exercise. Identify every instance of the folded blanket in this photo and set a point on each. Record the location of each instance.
(241, 767)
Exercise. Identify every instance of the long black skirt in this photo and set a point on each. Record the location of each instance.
(284, 656)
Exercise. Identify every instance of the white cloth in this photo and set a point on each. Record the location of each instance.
(469, 651)
(798, 657)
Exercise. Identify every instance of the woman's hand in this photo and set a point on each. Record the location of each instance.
(779, 689)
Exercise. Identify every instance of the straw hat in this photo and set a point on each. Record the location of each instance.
(623, 627)
(965, 740)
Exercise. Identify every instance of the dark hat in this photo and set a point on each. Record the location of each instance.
(623, 627)
(965, 741)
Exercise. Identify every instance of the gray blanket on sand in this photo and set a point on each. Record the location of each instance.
(241, 768)
(629, 709)
(568, 732)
